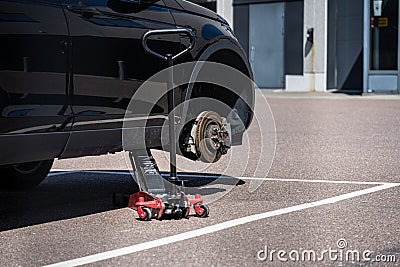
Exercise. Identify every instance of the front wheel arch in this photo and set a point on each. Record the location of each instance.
(228, 52)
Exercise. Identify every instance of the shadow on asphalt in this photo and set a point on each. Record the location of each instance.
(78, 194)
(348, 92)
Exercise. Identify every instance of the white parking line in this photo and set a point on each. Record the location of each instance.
(217, 227)
(210, 176)
(316, 181)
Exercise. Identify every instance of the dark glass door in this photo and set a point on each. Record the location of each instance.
(384, 34)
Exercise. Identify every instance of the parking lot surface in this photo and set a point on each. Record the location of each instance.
(331, 198)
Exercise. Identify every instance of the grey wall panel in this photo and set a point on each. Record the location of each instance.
(294, 38)
(332, 47)
(241, 25)
(349, 42)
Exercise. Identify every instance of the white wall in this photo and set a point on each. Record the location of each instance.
(315, 62)
(225, 9)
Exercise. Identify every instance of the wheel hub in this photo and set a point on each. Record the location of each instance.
(209, 137)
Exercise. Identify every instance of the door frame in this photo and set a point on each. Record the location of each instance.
(251, 53)
(380, 76)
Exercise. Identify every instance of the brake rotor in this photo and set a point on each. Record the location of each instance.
(211, 137)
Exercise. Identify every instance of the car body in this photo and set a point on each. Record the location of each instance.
(69, 69)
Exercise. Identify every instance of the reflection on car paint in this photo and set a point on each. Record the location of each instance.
(209, 32)
(116, 22)
(15, 17)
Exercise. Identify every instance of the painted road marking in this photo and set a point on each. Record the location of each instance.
(316, 181)
(217, 227)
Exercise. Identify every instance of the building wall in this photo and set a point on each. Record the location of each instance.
(293, 29)
(314, 76)
(241, 24)
(345, 45)
(224, 8)
(294, 37)
(337, 58)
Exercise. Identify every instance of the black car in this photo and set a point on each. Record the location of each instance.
(69, 69)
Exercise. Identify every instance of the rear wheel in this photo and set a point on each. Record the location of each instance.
(24, 176)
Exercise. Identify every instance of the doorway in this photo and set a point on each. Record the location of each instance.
(383, 46)
(266, 44)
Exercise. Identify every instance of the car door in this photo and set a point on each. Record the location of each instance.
(109, 64)
(33, 80)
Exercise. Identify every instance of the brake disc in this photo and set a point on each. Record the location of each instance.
(210, 136)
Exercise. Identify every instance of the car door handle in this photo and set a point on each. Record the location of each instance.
(83, 10)
(183, 31)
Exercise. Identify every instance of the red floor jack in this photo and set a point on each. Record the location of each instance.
(158, 198)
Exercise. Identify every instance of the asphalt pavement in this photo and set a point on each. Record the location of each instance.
(331, 198)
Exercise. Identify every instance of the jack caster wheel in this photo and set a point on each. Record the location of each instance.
(185, 213)
(202, 210)
(145, 215)
(178, 214)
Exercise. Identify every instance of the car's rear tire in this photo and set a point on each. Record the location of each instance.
(24, 176)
